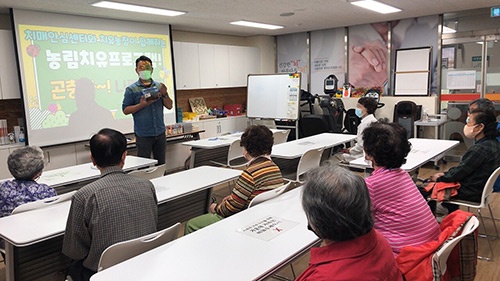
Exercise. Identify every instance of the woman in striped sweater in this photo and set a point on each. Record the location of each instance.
(400, 212)
(260, 175)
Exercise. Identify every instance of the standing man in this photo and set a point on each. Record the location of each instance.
(114, 208)
(149, 126)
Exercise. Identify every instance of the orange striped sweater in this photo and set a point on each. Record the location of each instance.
(260, 176)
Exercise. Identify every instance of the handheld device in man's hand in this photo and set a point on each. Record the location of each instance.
(151, 93)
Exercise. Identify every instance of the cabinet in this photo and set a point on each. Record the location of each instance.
(82, 153)
(9, 86)
(223, 126)
(214, 66)
(187, 65)
(5, 151)
(242, 61)
(4, 168)
(59, 156)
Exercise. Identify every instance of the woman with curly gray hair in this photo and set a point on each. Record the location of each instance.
(26, 165)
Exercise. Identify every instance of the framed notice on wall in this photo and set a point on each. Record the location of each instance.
(412, 75)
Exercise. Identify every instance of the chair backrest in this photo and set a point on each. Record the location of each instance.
(441, 256)
(42, 203)
(149, 173)
(125, 250)
(235, 155)
(280, 136)
(310, 159)
(351, 121)
(405, 113)
(488, 188)
(264, 196)
(313, 124)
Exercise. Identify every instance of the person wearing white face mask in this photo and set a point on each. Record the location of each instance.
(365, 109)
(478, 162)
(145, 100)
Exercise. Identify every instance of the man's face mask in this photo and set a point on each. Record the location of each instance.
(145, 74)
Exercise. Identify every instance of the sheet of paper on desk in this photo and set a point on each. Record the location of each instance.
(159, 188)
(57, 175)
(306, 143)
(421, 151)
(267, 228)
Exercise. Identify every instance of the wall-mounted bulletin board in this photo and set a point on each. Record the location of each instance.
(412, 73)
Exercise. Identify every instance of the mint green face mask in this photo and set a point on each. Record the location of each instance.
(145, 74)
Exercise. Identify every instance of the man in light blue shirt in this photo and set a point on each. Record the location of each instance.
(145, 100)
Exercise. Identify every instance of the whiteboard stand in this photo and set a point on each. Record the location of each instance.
(274, 97)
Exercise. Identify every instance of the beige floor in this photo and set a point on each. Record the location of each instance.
(486, 270)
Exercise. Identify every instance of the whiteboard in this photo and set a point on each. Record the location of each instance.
(273, 96)
(412, 71)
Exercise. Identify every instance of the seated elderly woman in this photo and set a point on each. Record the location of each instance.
(26, 165)
(337, 207)
(480, 160)
(400, 212)
(260, 175)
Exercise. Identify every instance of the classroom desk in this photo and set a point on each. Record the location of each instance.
(422, 151)
(221, 252)
(216, 148)
(33, 239)
(296, 148)
(436, 123)
(87, 172)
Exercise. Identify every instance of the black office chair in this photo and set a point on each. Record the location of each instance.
(333, 110)
(313, 124)
(405, 113)
(351, 122)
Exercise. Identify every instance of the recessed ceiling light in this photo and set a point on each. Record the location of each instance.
(256, 24)
(137, 8)
(376, 6)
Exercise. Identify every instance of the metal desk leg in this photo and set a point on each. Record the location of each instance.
(9, 261)
(192, 159)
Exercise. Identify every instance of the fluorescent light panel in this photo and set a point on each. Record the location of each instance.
(256, 24)
(448, 30)
(376, 6)
(137, 8)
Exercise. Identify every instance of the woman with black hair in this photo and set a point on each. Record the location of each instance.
(365, 109)
(479, 162)
(400, 212)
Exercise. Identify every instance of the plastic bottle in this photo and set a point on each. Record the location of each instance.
(426, 116)
(21, 135)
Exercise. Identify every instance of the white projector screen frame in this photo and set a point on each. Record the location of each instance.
(55, 50)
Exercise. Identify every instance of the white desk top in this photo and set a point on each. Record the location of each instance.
(219, 252)
(212, 143)
(431, 123)
(88, 171)
(183, 183)
(34, 226)
(217, 142)
(422, 151)
(296, 148)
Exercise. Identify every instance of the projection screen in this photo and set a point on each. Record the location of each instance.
(56, 50)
